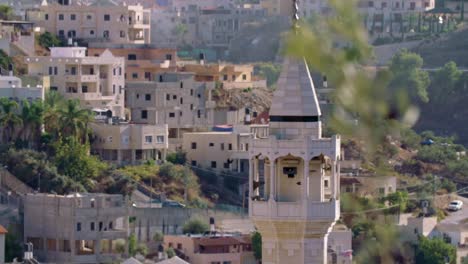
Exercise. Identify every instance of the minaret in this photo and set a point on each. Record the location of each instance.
(294, 174)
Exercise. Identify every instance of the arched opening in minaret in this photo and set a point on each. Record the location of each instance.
(319, 186)
(290, 178)
(261, 177)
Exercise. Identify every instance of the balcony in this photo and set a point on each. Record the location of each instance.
(81, 78)
(318, 211)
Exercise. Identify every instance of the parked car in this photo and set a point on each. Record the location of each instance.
(427, 142)
(455, 205)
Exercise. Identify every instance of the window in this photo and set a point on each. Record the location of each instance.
(246, 147)
(181, 100)
(106, 34)
(222, 146)
(111, 225)
(384, 4)
(122, 34)
(211, 144)
(46, 17)
(191, 106)
(226, 165)
(426, 4)
(160, 139)
(71, 33)
(91, 32)
(174, 97)
(179, 246)
(325, 183)
(412, 5)
(61, 17)
(50, 70)
(148, 97)
(148, 76)
(100, 226)
(198, 113)
(89, 17)
(113, 89)
(91, 227)
(225, 77)
(120, 71)
(106, 17)
(72, 17)
(135, 75)
(168, 97)
(230, 146)
(371, 4)
(244, 77)
(181, 85)
(213, 164)
(131, 57)
(199, 95)
(137, 96)
(172, 115)
(144, 114)
(120, 89)
(61, 33)
(194, 145)
(381, 190)
(169, 57)
(78, 226)
(194, 163)
(148, 139)
(191, 92)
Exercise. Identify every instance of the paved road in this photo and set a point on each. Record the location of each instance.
(458, 216)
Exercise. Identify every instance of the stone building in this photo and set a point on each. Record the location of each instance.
(294, 177)
(97, 82)
(77, 228)
(12, 87)
(94, 23)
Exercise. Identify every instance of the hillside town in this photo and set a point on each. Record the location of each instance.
(233, 131)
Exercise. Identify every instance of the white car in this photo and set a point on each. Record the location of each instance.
(455, 205)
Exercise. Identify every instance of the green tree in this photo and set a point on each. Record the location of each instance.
(195, 226)
(269, 71)
(5, 60)
(74, 120)
(178, 157)
(48, 40)
(445, 82)
(170, 252)
(132, 245)
(32, 116)
(257, 245)
(6, 12)
(72, 159)
(435, 251)
(8, 118)
(405, 68)
(13, 247)
(398, 198)
(53, 102)
(158, 237)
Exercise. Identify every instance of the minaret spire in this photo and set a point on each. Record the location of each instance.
(295, 110)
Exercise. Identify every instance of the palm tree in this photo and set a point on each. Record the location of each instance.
(52, 103)
(32, 116)
(74, 120)
(8, 118)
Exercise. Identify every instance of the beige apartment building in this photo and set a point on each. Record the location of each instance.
(370, 185)
(229, 76)
(142, 61)
(76, 228)
(129, 143)
(97, 82)
(17, 37)
(222, 151)
(213, 248)
(94, 23)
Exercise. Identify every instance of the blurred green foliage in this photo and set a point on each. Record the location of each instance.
(434, 251)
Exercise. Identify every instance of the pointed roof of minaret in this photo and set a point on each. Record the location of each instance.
(44, 3)
(295, 95)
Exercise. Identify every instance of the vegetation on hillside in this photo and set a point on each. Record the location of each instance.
(48, 40)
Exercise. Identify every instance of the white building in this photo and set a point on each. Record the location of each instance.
(291, 171)
(12, 87)
(98, 82)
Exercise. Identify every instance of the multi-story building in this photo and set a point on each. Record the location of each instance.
(98, 82)
(103, 23)
(77, 228)
(294, 174)
(129, 143)
(12, 87)
(213, 248)
(142, 62)
(222, 151)
(370, 185)
(228, 76)
(340, 245)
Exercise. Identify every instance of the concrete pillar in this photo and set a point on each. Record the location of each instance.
(272, 180)
(305, 185)
(333, 180)
(133, 155)
(97, 248)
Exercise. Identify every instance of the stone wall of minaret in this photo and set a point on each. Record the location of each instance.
(294, 174)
